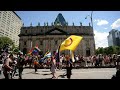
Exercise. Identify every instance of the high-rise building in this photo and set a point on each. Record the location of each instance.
(114, 38)
(10, 25)
(49, 37)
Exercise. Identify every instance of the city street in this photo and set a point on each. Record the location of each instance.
(94, 73)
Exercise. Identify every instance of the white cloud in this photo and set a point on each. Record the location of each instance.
(95, 20)
(105, 28)
(101, 39)
(101, 22)
(116, 24)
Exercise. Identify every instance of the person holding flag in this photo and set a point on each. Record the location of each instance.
(71, 44)
(35, 58)
(68, 66)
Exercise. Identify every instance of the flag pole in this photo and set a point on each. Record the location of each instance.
(58, 54)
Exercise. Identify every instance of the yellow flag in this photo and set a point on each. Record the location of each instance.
(70, 43)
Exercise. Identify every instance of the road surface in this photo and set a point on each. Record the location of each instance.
(93, 73)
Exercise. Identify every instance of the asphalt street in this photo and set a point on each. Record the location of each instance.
(93, 73)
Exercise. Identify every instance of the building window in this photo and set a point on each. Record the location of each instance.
(41, 42)
(41, 30)
(25, 43)
(25, 31)
(56, 42)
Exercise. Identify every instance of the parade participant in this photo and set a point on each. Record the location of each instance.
(68, 66)
(35, 63)
(60, 63)
(53, 67)
(14, 66)
(20, 64)
(7, 66)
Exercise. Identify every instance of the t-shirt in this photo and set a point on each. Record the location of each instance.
(20, 62)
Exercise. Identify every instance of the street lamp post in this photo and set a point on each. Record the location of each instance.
(91, 19)
(91, 25)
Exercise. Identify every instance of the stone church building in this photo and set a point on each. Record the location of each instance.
(50, 37)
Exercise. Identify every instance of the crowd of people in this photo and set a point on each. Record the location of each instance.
(12, 62)
(97, 60)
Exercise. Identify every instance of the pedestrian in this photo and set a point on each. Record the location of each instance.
(20, 64)
(35, 63)
(53, 67)
(60, 63)
(7, 66)
(116, 76)
(14, 67)
(68, 66)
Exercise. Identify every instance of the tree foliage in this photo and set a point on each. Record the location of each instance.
(108, 50)
(16, 50)
(6, 41)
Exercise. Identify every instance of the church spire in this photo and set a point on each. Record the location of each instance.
(31, 24)
(60, 20)
(38, 23)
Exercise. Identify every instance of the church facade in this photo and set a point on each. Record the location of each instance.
(50, 37)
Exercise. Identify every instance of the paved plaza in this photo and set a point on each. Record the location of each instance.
(94, 73)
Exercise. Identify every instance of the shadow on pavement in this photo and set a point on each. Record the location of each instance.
(45, 71)
(32, 73)
(46, 78)
(62, 76)
(47, 74)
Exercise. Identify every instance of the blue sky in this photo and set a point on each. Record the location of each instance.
(103, 21)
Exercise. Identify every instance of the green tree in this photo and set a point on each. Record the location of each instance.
(4, 41)
(101, 50)
(16, 50)
(117, 48)
(110, 50)
(96, 51)
(106, 51)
